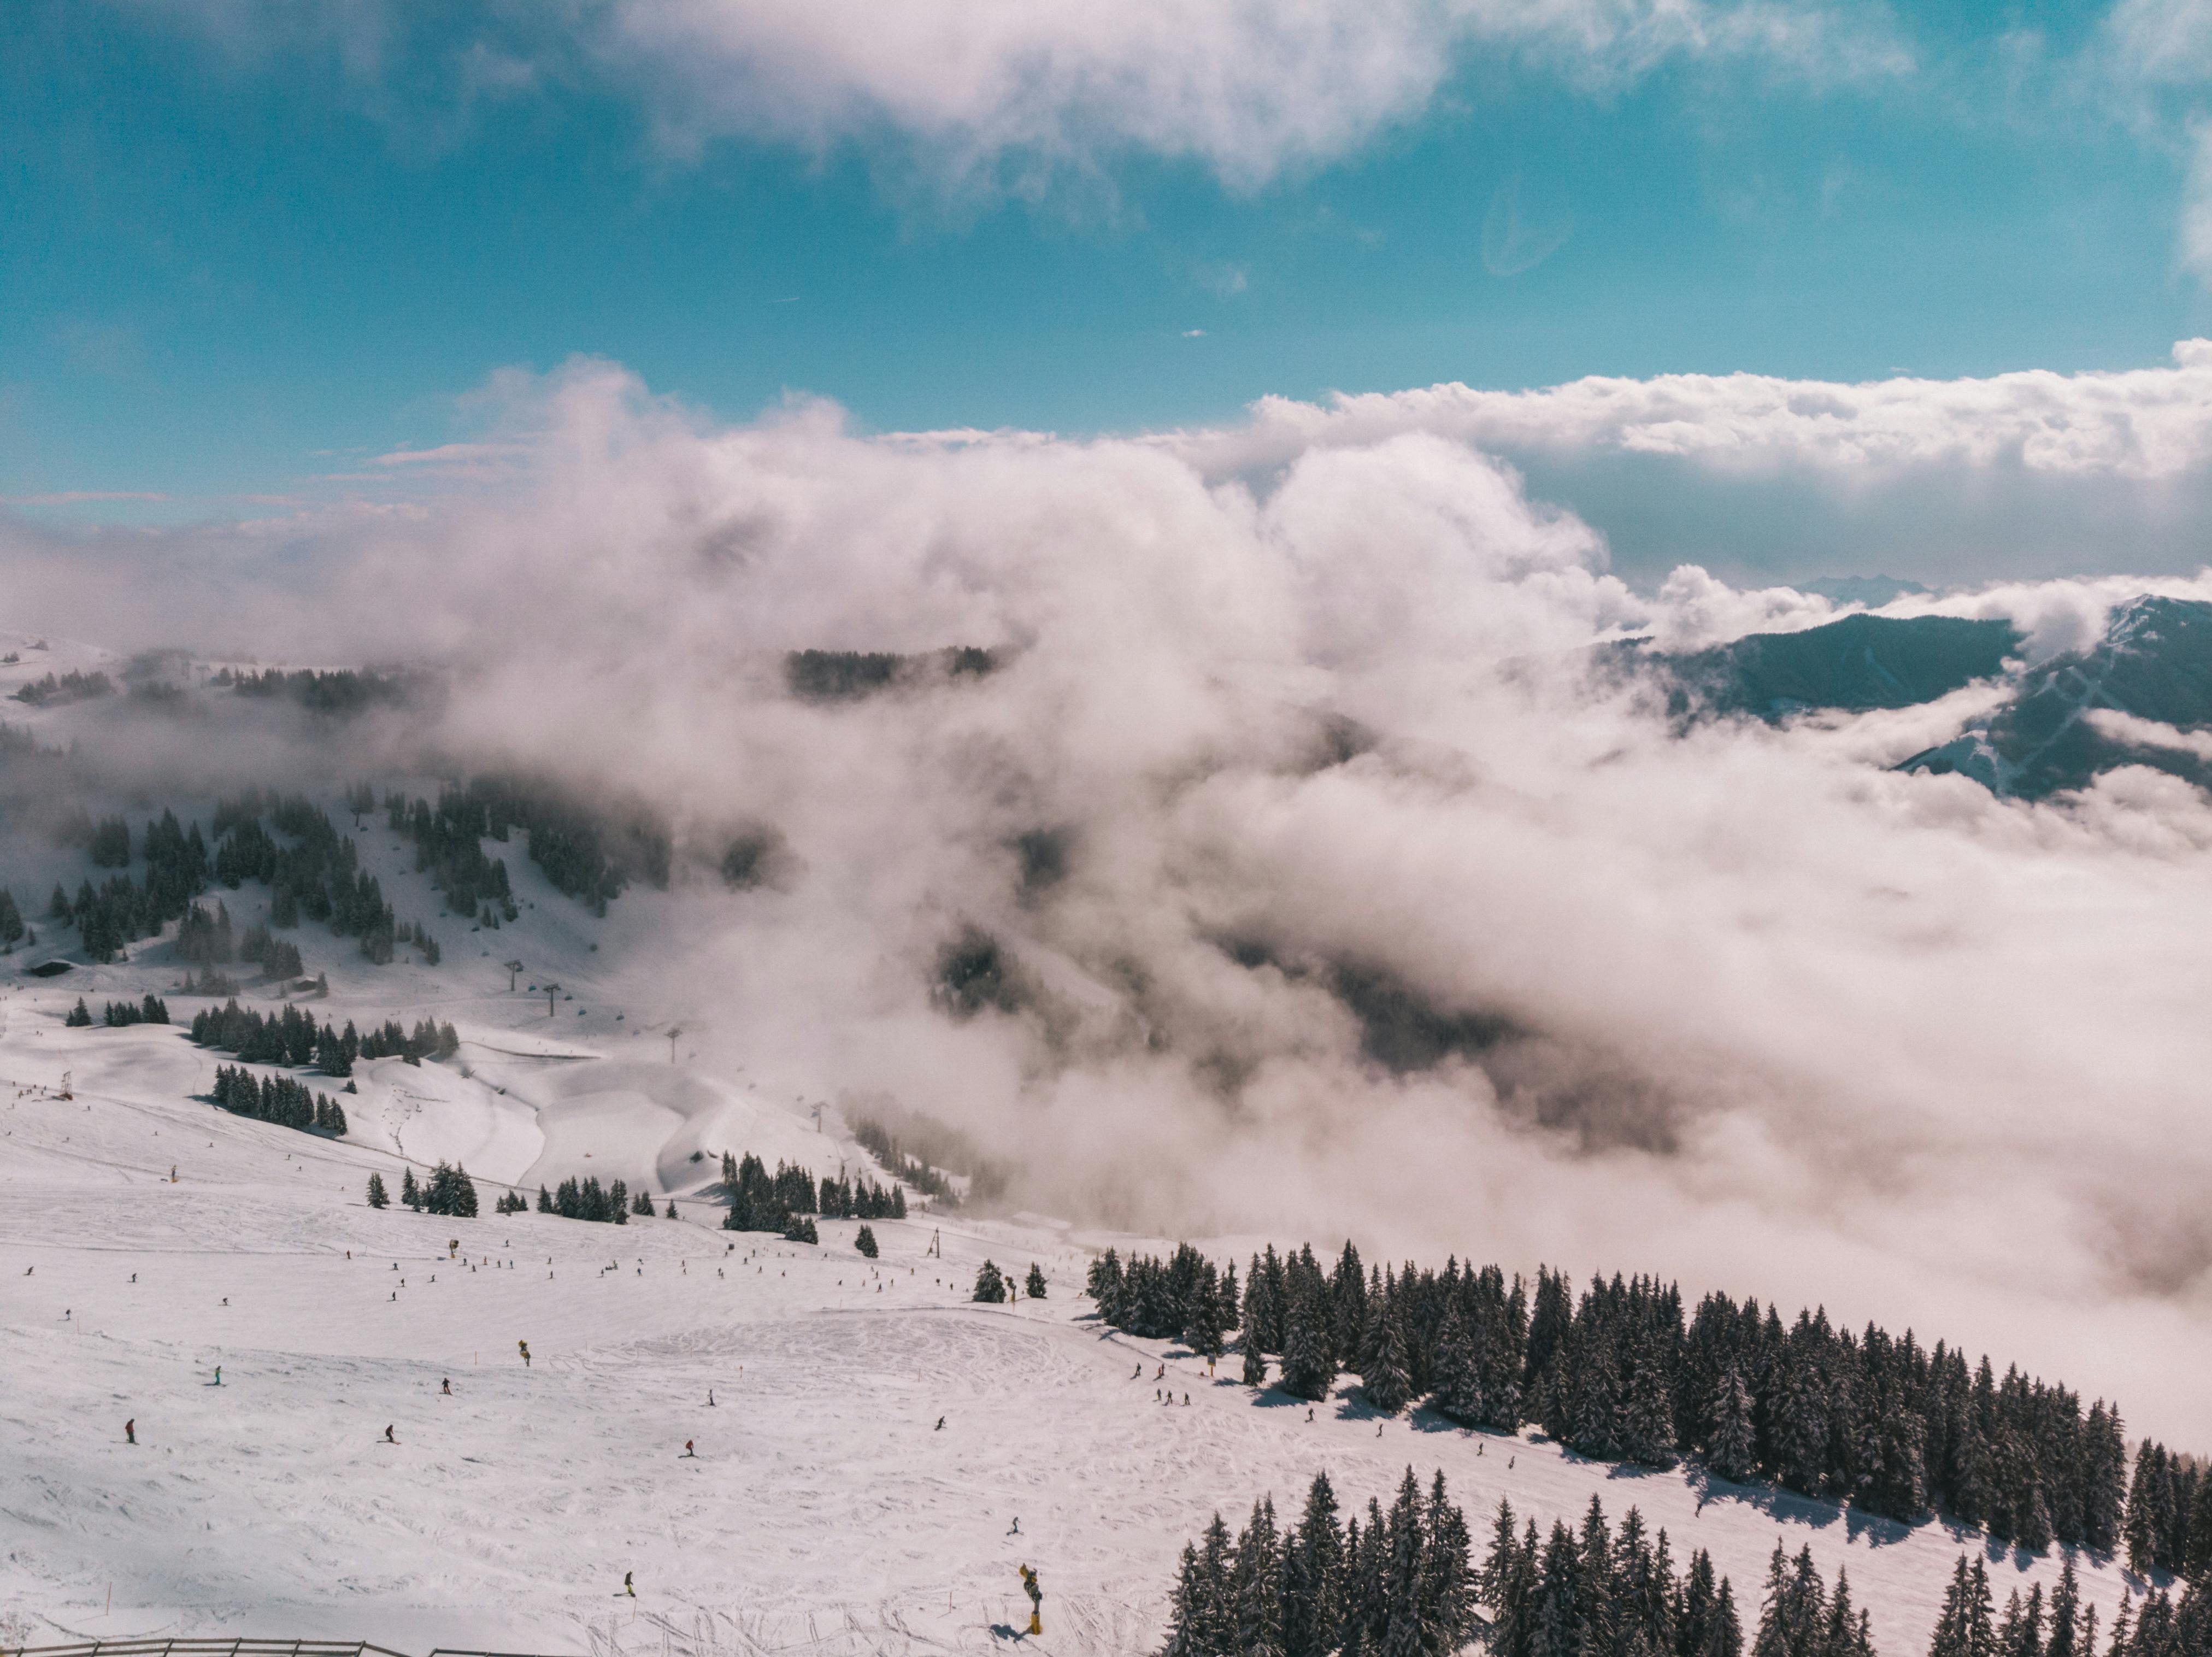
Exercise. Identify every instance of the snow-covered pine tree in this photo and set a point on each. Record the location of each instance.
(1255, 1587)
(1190, 1610)
(1313, 1574)
(990, 1285)
(863, 1240)
(1309, 1371)
(409, 1192)
(1385, 1383)
(1458, 1370)
(377, 1198)
(1963, 1629)
(1447, 1581)
(1732, 1451)
(1034, 1287)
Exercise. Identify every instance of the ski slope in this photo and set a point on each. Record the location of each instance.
(825, 1505)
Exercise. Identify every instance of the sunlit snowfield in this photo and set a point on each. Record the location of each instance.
(824, 1509)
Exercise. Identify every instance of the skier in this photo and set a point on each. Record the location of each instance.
(1016, 1529)
(523, 1346)
(689, 1451)
(446, 1385)
(131, 1430)
(710, 1397)
(1310, 1412)
(218, 1374)
(1163, 1373)
(1036, 1599)
(940, 1425)
(388, 1439)
(628, 1587)
(1138, 1374)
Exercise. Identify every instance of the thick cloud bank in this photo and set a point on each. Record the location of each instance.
(1325, 893)
(2142, 425)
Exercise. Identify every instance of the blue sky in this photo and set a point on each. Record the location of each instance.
(247, 245)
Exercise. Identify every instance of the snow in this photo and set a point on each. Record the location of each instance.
(823, 1504)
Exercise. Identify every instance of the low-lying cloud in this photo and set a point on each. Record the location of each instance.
(1364, 909)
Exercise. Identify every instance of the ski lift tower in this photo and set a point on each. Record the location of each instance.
(674, 1030)
(513, 970)
(551, 991)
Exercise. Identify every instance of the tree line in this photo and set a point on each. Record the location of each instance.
(279, 1099)
(69, 687)
(916, 1146)
(2169, 1520)
(449, 840)
(292, 1037)
(151, 1010)
(1619, 1373)
(1403, 1583)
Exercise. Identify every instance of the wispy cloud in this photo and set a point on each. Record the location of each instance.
(80, 497)
(1014, 93)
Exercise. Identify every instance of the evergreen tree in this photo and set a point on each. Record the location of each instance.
(1385, 1383)
(1255, 1373)
(865, 1240)
(1726, 1637)
(80, 1016)
(377, 1198)
(1308, 1370)
(990, 1285)
(1255, 1587)
(409, 1192)
(1313, 1574)
(1190, 1609)
(1035, 1289)
(1963, 1629)
(1732, 1447)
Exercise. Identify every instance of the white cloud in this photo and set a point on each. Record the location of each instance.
(1803, 1026)
(2141, 424)
(1247, 88)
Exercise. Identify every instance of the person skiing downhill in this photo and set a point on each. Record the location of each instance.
(388, 1439)
(628, 1587)
(1036, 1599)
(689, 1451)
(446, 1385)
(523, 1346)
(131, 1430)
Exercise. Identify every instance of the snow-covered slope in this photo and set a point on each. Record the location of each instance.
(824, 1504)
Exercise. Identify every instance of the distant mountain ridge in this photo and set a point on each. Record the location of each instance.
(2067, 721)
(1855, 664)
(2153, 663)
